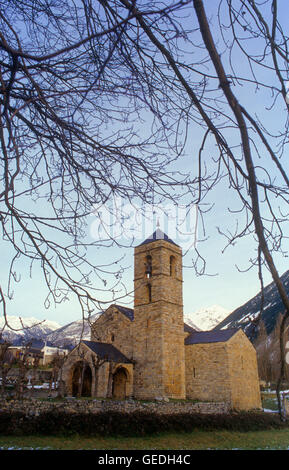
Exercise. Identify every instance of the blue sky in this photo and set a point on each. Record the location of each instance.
(228, 283)
(224, 285)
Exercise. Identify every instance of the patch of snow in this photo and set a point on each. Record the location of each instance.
(44, 386)
(17, 323)
(73, 332)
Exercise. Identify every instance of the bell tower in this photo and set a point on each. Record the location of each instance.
(158, 326)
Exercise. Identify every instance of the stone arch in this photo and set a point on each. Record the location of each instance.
(77, 371)
(120, 379)
(148, 266)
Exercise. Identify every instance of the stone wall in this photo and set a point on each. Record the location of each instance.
(243, 372)
(224, 372)
(158, 327)
(207, 372)
(69, 405)
(115, 328)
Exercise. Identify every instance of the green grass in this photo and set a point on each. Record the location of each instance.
(197, 440)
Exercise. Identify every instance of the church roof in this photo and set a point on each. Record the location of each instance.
(128, 312)
(107, 351)
(189, 329)
(158, 235)
(213, 336)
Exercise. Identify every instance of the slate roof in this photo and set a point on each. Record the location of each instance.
(188, 328)
(128, 312)
(213, 336)
(34, 343)
(105, 350)
(157, 235)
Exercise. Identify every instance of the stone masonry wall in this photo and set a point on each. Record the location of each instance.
(207, 372)
(36, 407)
(224, 372)
(243, 373)
(158, 329)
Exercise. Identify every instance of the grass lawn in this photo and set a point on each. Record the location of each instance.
(197, 440)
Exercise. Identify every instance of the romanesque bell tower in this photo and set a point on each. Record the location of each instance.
(158, 327)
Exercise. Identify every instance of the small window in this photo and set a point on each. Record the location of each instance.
(172, 266)
(148, 266)
(149, 287)
(112, 338)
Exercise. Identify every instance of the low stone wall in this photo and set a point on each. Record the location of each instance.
(72, 405)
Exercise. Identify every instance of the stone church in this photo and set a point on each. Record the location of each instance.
(149, 352)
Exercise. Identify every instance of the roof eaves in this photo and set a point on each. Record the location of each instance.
(157, 235)
(106, 350)
(212, 336)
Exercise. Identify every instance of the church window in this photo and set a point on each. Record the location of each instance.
(149, 293)
(148, 266)
(172, 266)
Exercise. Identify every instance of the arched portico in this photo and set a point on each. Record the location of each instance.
(97, 365)
(121, 383)
(81, 372)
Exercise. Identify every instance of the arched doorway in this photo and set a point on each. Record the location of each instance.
(119, 381)
(81, 370)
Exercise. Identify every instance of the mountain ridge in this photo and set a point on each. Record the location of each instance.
(208, 318)
(246, 315)
(25, 328)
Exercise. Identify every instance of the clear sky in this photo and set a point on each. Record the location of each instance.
(225, 285)
(228, 283)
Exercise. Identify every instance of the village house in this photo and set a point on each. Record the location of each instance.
(149, 353)
(37, 349)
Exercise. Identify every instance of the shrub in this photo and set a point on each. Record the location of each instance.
(132, 424)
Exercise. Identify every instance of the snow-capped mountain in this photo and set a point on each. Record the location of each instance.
(245, 315)
(206, 318)
(214, 317)
(73, 332)
(26, 328)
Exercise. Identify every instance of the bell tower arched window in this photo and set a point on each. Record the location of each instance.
(148, 266)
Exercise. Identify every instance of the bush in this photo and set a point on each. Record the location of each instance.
(131, 424)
